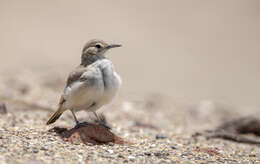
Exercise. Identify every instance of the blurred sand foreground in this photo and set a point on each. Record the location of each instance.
(160, 128)
(186, 66)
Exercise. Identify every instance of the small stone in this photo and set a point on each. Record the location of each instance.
(153, 145)
(120, 156)
(160, 136)
(148, 153)
(158, 154)
(44, 149)
(35, 150)
(111, 144)
(161, 154)
(131, 157)
(173, 147)
(110, 151)
(28, 138)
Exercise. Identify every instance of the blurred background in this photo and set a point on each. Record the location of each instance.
(189, 50)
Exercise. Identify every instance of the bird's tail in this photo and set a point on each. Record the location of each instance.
(58, 113)
(55, 116)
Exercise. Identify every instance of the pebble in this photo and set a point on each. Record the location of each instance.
(131, 157)
(173, 147)
(148, 153)
(35, 150)
(110, 151)
(160, 154)
(160, 136)
(120, 156)
(44, 149)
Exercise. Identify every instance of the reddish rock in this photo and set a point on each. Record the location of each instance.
(88, 133)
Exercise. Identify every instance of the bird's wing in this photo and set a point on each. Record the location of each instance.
(88, 75)
(75, 75)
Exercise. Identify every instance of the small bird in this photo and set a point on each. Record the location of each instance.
(92, 84)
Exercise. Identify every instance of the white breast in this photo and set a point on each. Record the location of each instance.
(111, 81)
(112, 87)
(103, 88)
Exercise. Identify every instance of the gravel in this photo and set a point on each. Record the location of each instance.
(29, 140)
(161, 133)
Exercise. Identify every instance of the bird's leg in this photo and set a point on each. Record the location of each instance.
(96, 116)
(101, 120)
(75, 118)
(78, 124)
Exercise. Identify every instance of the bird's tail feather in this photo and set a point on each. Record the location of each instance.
(54, 117)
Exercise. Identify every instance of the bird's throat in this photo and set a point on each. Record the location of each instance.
(87, 59)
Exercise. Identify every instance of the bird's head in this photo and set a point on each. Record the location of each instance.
(94, 50)
(97, 47)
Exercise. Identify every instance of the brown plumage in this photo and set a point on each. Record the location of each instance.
(73, 76)
(93, 51)
(58, 113)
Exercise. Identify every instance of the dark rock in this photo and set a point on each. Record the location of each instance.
(120, 156)
(148, 153)
(160, 136)
(173, 147)
(161, 154)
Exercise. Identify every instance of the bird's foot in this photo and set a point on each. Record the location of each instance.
(101, 120)
(104, 125)
(80, 124)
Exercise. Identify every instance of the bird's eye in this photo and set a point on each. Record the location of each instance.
(98, 46)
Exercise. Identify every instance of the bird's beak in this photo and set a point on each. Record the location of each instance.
(113, 46)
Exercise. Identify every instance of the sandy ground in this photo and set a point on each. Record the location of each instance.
(160, 128)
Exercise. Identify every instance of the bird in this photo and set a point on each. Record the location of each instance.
(91, 85)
